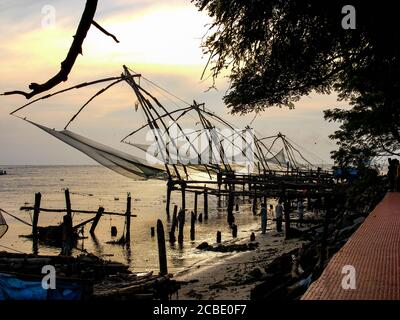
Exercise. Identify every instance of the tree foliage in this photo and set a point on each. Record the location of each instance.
(280, 50)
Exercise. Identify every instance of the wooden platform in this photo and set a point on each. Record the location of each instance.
(374, 251)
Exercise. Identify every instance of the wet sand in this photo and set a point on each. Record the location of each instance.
(228, 276)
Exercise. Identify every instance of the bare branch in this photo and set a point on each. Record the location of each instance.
(105, 31)
(74, 51)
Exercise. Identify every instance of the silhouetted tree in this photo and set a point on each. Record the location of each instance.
(280, 50)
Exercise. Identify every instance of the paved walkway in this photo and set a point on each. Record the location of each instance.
(374, 251)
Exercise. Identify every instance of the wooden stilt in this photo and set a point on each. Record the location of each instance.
(230, 217)
(287, 218)
(68, 202)
(205, 204)
(168, 201)
(128, 218)
(192, 226)
(183, 190)
(67, 235)
(36, 211)
(35, 220)
(181, 221)
(196, 194)
(175, 218)
(162, 252)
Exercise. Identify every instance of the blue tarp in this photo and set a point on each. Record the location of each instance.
(14, 288)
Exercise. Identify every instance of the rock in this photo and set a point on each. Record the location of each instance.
(203, 246)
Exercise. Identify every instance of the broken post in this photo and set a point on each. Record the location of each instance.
(234, 230)
(96, 220)
(219, 237)
(162, 252)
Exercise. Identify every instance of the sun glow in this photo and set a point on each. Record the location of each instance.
(165, 36)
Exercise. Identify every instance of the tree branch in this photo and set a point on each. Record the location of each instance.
(68, 63)
(104, 31)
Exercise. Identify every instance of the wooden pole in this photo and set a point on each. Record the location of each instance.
(128, 218)
(152, 232)
(36, 211)
(96, 220)
(181, 221)
(287, 219)
(35, 220)
(230, 218)
(183, 189)
(174, 218)
(162, 252)
(192, 227)
(196, 194)
(68, 203)
(168, 202)
(205, 204)
(67, 235)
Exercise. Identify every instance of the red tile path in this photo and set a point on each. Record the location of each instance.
(374, 251)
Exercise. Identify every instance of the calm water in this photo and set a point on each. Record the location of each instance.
(148, 202)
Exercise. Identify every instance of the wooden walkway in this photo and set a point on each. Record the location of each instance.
(374, 251)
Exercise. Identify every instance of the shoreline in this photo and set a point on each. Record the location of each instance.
(232, 276)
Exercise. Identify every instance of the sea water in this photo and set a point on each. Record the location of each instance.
(94, 186)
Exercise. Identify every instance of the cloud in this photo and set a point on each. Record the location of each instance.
(158, 39)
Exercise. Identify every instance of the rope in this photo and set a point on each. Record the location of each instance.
(5, 247)
(20, 220)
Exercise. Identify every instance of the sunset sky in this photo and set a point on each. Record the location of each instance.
(159, 39)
